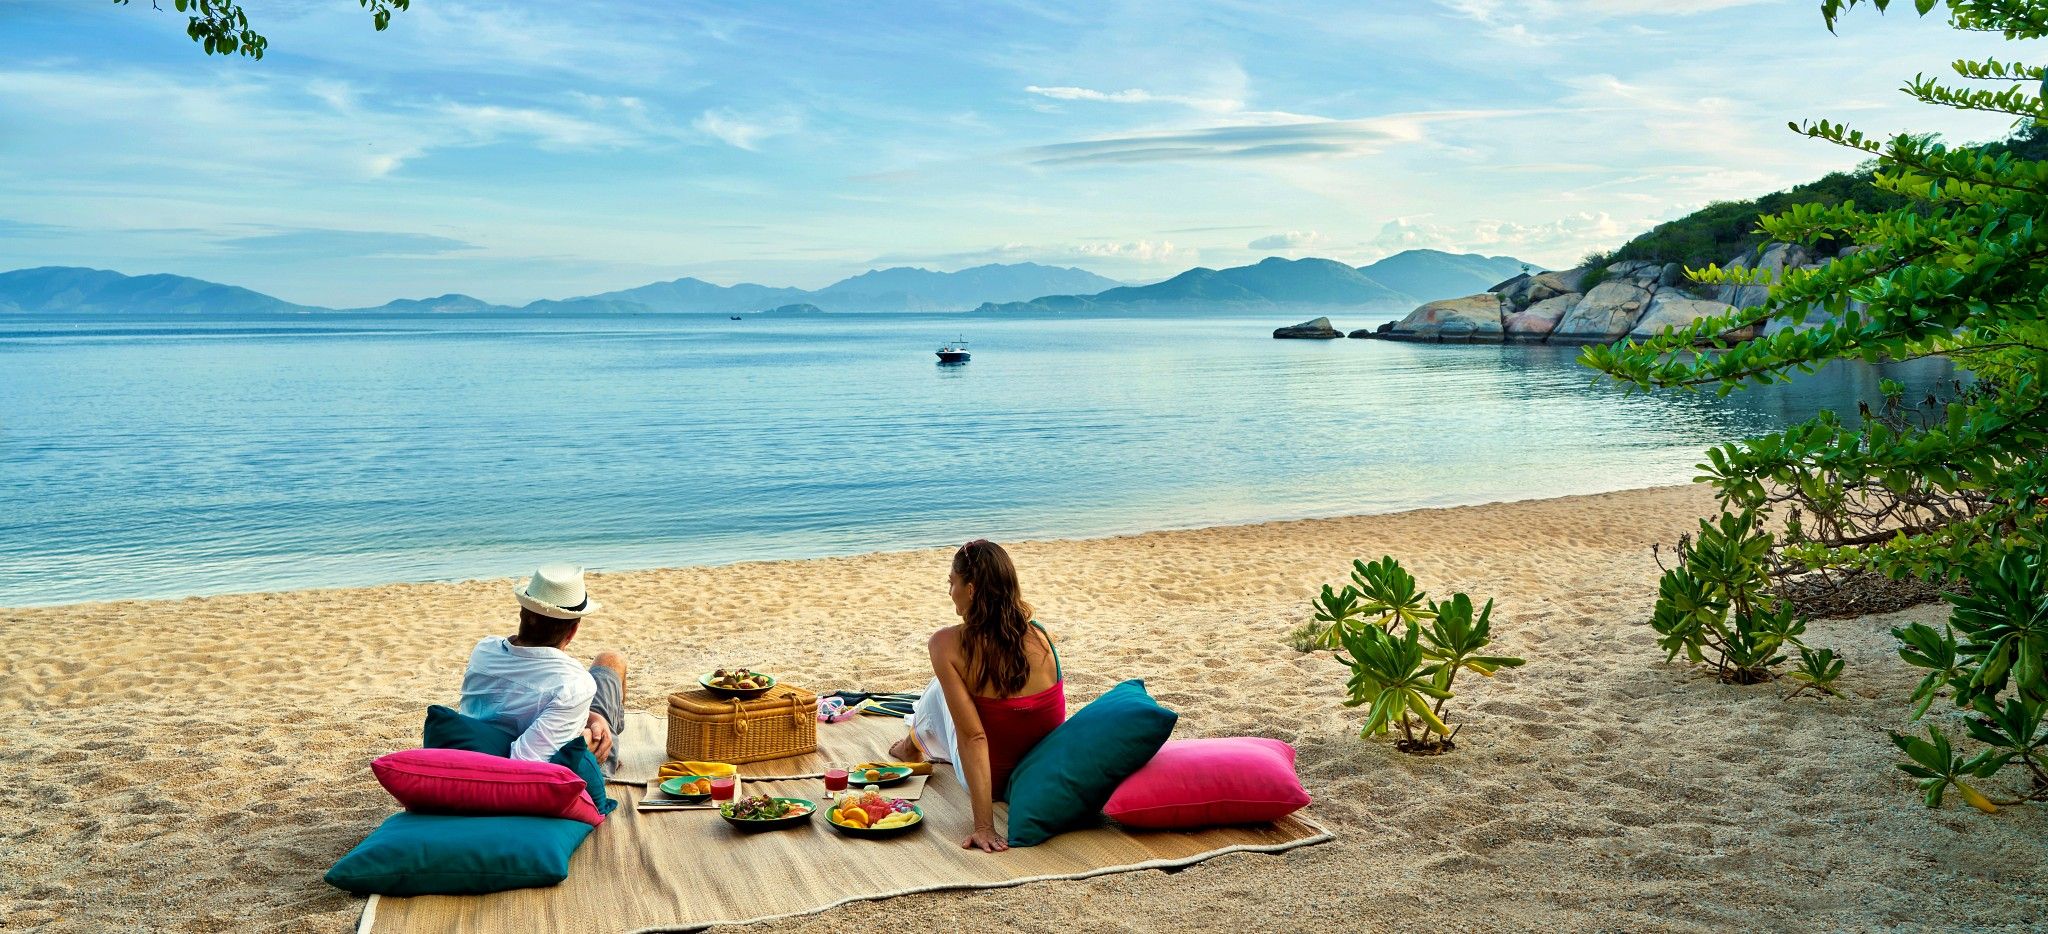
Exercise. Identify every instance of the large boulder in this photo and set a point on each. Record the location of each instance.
(1474, 318)
(1604, 314)
(1509, 283)
(1670, 308)
(1528, 291)
(1635, 269)
(1320, 330)
(1535, 322)
(1572, 278)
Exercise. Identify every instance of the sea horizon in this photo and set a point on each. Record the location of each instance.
(162, 457)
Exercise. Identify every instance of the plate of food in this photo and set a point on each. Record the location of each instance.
(874, 817)
(874, 773)
(742, 683)
(696, 789)
(762, 812)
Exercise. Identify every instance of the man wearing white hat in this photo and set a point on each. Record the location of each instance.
(531, 686)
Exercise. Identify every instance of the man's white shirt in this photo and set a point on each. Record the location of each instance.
(540, 693)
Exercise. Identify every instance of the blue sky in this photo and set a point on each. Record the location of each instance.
(520, 150)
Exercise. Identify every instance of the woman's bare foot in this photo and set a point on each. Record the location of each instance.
(905, 750)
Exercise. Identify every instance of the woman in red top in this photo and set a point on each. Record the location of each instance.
(999, 688)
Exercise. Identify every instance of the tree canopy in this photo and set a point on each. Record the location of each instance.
(1950, 258)
(223, 28)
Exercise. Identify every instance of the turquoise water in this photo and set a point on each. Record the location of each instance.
(157, 458)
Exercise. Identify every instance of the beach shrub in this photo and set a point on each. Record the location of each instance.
(1402, 671)
(1382, 593)
(1817, 671)
(1952, 262)
(1716, 606)
(1992, 660)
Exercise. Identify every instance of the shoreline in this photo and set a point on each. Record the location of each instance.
(1152, 529)
(197, 764)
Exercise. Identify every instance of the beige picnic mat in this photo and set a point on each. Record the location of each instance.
(643, 747)
(685, 870)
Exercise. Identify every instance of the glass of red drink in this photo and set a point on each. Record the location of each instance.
(721, 788)
(835, 779)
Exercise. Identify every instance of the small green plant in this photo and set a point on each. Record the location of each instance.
(1716, 606)
(1817, 671)
(1402, 672)
(1992, 659)
(1382, 593)
(1306, 637)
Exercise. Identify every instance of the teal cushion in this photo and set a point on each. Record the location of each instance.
(447, 729)
(454, 854)
(1064, 781)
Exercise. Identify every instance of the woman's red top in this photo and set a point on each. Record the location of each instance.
(1015, 724)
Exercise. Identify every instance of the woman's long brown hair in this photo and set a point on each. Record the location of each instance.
(998, 622)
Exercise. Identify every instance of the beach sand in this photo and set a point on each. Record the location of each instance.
(197, 764)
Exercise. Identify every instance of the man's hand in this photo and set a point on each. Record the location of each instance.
(598, 733)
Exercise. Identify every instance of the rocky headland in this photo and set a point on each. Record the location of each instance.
(1628, 299)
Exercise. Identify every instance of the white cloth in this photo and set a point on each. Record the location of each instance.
(932, 724)
(538, 692)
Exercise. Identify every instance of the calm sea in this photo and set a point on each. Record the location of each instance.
(159, 457)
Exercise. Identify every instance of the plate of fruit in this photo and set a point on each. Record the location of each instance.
(742, 683)
(695, 789)
(762, 812)
(876, 774)
(872, 816)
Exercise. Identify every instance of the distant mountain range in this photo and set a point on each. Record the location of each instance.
(1405, 279)
(75, 288)
(1408, 278)
(902, 288)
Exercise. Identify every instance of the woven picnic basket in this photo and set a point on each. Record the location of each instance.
(708, 728)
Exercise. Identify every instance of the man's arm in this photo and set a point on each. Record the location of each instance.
(561, 722)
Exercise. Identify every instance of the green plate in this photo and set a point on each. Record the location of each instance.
(742, 694)
(750, 826)
(673, 788)
(893, 775)
(871, 833)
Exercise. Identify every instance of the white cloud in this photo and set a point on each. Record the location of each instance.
(1113, 254)
(256, 125)
(1560, 241)
(1143, 251)
(1291, 240)
(1138, 96)
(1259, 138)
(549, 129)
(742, 132)
(1550, 22)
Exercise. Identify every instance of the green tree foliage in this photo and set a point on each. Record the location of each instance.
(1402, 670)
(223, 29)
(1953, 261)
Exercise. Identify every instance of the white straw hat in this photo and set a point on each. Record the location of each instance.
(556, 591)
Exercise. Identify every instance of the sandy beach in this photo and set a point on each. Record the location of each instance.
(196, 764)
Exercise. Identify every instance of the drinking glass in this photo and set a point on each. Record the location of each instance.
(835, 779)
(721, 788)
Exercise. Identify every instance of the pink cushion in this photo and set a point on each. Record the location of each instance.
(1204, 782)
(457, 781)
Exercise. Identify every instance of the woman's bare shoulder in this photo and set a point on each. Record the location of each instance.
(945, 641)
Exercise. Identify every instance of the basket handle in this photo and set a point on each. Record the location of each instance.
(739, 723)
